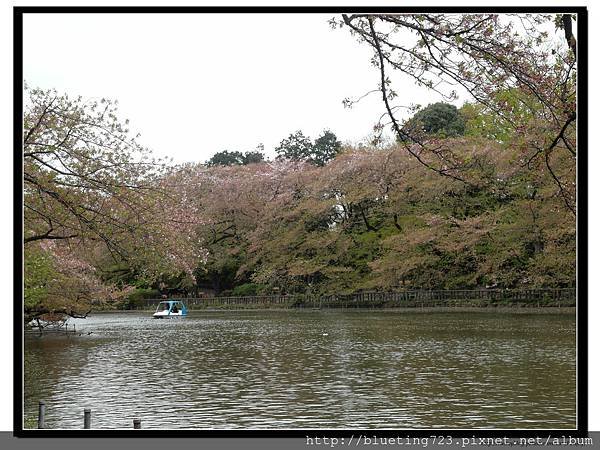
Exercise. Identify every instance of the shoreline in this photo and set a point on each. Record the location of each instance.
(426, 309)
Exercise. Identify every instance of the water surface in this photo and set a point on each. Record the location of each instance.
(308, 369)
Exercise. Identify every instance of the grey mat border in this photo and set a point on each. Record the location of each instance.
(8, 441)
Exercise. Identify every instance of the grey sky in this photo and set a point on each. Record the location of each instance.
(196, 84)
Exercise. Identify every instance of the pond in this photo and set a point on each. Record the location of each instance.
(308, 369)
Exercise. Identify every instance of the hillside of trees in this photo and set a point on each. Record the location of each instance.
(479, 196)
(371, 218)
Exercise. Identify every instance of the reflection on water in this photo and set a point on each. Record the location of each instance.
(308, 369)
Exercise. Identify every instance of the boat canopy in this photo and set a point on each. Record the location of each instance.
(168, 305)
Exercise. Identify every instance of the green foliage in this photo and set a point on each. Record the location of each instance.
(247, 289)
(297, 147)
(235, 158)
(325, 148)
(136, 298)
(39, 274)
(253, 157)
(439, 119)
(483, 122)
(218, 273)
(226, 158)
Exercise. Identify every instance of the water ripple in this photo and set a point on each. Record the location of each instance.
(268, 369)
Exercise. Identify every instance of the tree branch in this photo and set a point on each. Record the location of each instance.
(568, 27)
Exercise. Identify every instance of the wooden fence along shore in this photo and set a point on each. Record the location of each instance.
(398, 299)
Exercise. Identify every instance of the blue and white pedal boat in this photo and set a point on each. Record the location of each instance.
(170, 309)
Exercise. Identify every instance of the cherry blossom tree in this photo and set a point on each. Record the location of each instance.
(89, 185)
(490, 57)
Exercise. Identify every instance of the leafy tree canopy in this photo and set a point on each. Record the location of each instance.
(325, 148)
(439, 119)
(236, 158)
(298, 147)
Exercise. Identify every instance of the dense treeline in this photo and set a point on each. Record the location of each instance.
(375, 219)
(476, 197)
(369, 219)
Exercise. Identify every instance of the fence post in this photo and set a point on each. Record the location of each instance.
(87, 418)
(41, 414)
(137, 424)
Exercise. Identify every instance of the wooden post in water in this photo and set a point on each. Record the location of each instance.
(137, 424)
(87, 418)
(41, 414)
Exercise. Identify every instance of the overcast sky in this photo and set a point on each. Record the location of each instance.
(195, 84)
